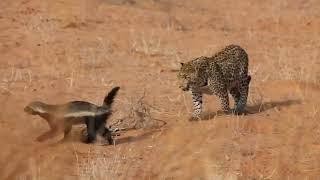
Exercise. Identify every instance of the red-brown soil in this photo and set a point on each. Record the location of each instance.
(63, 50)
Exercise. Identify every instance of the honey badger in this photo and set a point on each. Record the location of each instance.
(61, 117)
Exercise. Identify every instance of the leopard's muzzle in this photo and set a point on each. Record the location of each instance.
(184, 88)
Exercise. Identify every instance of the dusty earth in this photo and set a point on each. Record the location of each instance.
(63, 50)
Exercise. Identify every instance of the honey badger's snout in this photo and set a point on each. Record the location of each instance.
(34, 107)
(29, 110)
(26, 109)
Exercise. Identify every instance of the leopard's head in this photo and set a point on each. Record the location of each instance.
(189, 77)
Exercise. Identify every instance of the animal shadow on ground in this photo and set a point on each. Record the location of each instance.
(251, 109)
(140, 137)
(122, 138)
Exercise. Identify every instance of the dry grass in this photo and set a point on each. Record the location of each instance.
(97, 165)
(137, 115)
(277, 141)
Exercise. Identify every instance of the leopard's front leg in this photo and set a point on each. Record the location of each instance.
(197, 104)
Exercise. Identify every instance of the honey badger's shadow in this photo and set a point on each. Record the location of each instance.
(129, 139)
(122, 138)
(251, 109)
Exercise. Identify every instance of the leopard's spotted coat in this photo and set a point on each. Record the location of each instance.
(226, 71)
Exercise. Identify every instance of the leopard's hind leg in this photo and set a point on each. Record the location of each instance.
(243, 95)
(236, 95)
(218, 88)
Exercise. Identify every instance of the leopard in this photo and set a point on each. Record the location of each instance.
(224, 72)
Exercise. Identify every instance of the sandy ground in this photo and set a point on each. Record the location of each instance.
(63, 50)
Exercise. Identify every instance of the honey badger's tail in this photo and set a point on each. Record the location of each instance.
(108, 100)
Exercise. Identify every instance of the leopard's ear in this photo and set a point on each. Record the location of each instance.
(181, 63)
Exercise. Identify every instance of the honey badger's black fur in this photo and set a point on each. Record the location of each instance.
(61, 117)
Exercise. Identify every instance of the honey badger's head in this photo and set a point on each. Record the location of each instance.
(35, 107)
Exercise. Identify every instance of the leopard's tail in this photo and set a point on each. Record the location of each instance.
(108, 100)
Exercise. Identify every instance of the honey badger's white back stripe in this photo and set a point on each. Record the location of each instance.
(85, 113)
(39, 109)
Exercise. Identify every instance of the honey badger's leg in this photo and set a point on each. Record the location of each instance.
(101, 129)
(90, 122)
(107, 133)
(67, 129)
(243, 91)
(197, 104)
(45, 135)
(55, 129)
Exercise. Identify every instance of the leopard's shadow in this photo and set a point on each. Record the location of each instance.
(252, 109)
